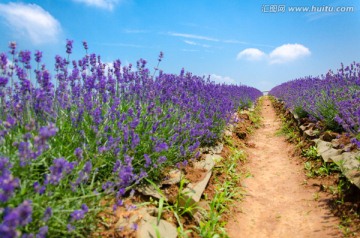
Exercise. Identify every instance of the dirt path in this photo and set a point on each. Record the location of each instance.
(277, 203)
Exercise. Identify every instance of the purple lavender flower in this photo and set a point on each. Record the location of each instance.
(38, 188)
(108, 187)
(28, 235)
(118, 203)
(97, 115)
(10, 122)
(40, 141)
(8, 183)
(161, 146)
(356, 142)
(38, 56)
(84, 207)
(102, 149)
(25, 153)
(84, 175)
(130, 207)
(59, 168)
(194, 146)
(125, 172)
(79, 214)
(147, 161)
(87, 167)
(47, 214)
(8, 232)
(70, 227)
(142, 175)
(12, 46)
(25, 57)
(19, 216)
(79, 153)
(69, 45)
(161, 56)
(134, 226)
(47, 131)
(85, 45)
(3, 61)
(3, 81)
(161, 160)
(42, 232)
(134, 123)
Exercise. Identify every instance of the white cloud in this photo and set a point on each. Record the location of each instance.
(194, 43)
(30, 20)
(313, 16)
(282, 54)
(189, 50)
(222, 79)
(251, 54)
(189, 42)
(193, 36)
(288, 52)
(105, 4)
(235, 42)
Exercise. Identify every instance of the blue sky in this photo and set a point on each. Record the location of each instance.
(233, 41)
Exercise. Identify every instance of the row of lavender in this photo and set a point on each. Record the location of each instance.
(94, 131)
(333, 98)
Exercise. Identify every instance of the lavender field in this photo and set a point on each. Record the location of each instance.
(333, 98)
(87, 131)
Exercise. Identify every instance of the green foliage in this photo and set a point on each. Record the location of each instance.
(183, 205)
(314, 169)
(226, 193)
(287, 130)
(328, 112)
(255, 116)
(311, 153)
(298, 110)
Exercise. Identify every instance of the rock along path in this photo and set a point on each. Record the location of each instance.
(277, 202)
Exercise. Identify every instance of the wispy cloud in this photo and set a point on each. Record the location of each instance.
(206, 38)
(235, 42)
(189, 50)
(282, 54)
(245, 43)
(197, 44)
(135, 31)
(222, 79)
(313, 16)
(31, 21)
(194, 25)
(330, 10)
(190, 36)
(122, 45)
(104, 4)
(251, 54)
(190, 42)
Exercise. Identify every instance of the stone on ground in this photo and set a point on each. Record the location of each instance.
(149, 227)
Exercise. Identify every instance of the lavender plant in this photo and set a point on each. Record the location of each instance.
(98, 133)
(333, 98)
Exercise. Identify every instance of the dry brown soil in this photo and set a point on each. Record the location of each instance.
(278, 202)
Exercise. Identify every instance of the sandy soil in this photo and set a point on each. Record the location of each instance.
(278, 203)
